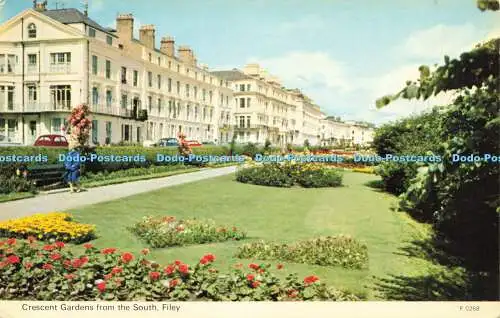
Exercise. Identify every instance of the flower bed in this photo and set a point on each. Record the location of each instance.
(53, 226)
(325, 251)
(30, 271)
(161, 232)
(368, 170)
(288, 174)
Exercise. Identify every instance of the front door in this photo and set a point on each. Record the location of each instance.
(32, 133)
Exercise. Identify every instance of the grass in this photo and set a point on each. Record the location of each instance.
(273, 214)
(15, 196)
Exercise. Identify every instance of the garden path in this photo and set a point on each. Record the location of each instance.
(65, 201)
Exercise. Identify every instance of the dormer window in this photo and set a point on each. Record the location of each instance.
(32, 31)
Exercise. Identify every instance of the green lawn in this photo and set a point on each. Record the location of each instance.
(272, 214)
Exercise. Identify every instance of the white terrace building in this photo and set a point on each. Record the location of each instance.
(53, 60)
(265, 110)
(335, 133)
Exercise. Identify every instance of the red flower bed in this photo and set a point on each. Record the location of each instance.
(28, 271)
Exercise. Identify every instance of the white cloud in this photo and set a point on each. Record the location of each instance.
(306, 69)
(440, 40)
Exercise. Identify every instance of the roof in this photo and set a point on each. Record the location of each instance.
(233, 75)
(68, 16)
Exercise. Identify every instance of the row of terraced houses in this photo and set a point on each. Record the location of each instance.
(52, 60)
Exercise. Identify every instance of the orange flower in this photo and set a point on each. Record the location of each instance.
(310, 280)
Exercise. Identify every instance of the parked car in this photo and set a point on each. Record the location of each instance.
(51, 141)
(194, 143)
(167, 142)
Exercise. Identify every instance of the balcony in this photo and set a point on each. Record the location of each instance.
(251, 126)
(8, 71)
(32, 69)
(64, 68)
(34, 107)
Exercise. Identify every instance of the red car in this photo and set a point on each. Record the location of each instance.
(194, 143)
(51, 141)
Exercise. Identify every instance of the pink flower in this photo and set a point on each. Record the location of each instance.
(11, 241)
(13, 259)
(55, 256)
(127, 257)
(101, 286)
(169, 270)
(59, 244)
(108, 251)
(255, 284)
(49, 248)
(154, 275)
(173, 283)
(184, 268)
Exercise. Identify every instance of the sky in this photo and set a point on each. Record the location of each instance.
(344, 54)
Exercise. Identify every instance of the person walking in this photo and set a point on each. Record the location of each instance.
(72, 166)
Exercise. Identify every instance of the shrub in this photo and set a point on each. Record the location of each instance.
(416, 135)
(267, 144)
(463, 197)
(250, 150)
(52, 226)
(319, 178)
(53, 272)
(325, 251)
(15, 184)
(161, 232)
(268, 175)
(288, 174)
(396, 176)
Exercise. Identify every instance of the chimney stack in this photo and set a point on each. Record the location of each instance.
(125, 26)
(147, 36)
(252, 69)
(167, 46)
(186, 55)
(40, 6)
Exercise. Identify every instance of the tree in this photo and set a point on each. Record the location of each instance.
(492, 5)
(461, 199)
(80, 126)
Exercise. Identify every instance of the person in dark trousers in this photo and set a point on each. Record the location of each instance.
(72, 165)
